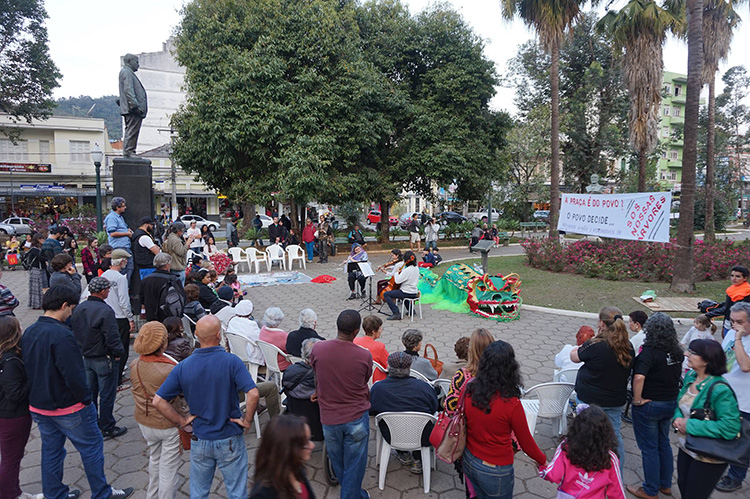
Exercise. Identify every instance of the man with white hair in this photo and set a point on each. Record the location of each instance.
(308, 321)
(155, 287)
(119, 300)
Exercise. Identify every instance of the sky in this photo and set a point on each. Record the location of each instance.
(87, 38)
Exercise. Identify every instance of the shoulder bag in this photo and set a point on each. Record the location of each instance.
(449, 433)
(735, 451)
(436, 364)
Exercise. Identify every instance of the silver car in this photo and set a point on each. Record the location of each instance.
(7, 229)
(22, 225)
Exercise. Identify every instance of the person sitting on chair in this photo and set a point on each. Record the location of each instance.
(408, 279)
(308, 321)
(298, 384)
(357, 255)
(412, 340)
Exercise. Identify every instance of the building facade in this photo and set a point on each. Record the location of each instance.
(671, 126)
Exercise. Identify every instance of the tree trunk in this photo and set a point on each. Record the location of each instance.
(709, 228)
(642, 161)
(294, 216)
(683, 280)
(554, 208)
(248, 213)
(385, 223)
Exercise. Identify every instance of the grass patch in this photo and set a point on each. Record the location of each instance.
(583, 294)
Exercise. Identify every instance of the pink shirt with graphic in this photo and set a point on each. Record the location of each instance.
(582, 484)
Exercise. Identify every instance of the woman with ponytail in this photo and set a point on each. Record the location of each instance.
(607, 362)
(407, 279)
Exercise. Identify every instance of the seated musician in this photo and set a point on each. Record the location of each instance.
(357, 255)
(390, 268)
(408, 279)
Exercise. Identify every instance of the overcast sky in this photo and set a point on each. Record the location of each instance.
(87, 38)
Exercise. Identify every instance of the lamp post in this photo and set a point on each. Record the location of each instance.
(97, 155)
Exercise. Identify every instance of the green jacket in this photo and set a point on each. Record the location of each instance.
(723, 402)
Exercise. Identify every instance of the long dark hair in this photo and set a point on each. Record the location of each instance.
(662, 335)
(590, 438)
(10, 334)
(498, 374)
(280, 453)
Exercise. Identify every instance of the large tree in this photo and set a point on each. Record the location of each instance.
(638, 32)
(552, 21)
(27, 73)
(736, 118)
(683, 279)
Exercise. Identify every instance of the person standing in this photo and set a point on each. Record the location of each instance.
(64, 273)
(356, 237)
(738, 291)
(155, 289)
(325, 237)
(656, 383)
(95, 328)
(736, 346)
(15, 419)
(431, 234)
(177, 249)
(197, 245)
(144, 247)
(211, 379)
(51, 247)
(233, 237)
(119, 300)
(90, 258)
(118, 231)
(414, 233)
(60, 400)
(258, 226)
(37, 264)
(342, 370)
(308, 237)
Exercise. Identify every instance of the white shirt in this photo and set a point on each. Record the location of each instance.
(637, 340)
(395, 268)
(248, 328)
(562, 359)
(146, 242)
(119, 298)
(225, 314)
(408, 279)
(738, 380)
(198, 241)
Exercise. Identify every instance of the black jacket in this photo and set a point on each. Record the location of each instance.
(296, 338)
(260, 491)
(142, 257)
(95, 328)
(206, 296)
(298, 381)
(54, 366)
(153, 289)
(14, 387)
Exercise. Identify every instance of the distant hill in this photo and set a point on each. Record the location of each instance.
(103, 107)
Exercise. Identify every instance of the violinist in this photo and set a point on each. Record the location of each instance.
(408, 279)
(391, 267)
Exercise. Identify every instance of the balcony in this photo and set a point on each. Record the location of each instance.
(677, 120)
(672, 163)
(679, 99)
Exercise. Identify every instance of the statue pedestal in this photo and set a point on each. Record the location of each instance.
(133, 181)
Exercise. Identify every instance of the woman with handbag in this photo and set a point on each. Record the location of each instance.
(148, 372)
(707, 407)
(493, 411)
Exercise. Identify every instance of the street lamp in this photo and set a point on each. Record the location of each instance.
(97, 155)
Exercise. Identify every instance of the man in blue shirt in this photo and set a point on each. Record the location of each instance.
(118, 231)
(210, 379)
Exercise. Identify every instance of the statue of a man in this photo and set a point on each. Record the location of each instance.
(595, 187)
(133, 103)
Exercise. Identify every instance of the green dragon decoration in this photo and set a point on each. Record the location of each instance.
(462, 289)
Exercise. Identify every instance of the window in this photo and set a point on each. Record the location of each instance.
(664, 154)
(44, 151)
(665, 111)
(676, 111)
(677, 90)
(665, 132)
(668, 175)
(14, 153)
(674, 155)
(667, 88)
(80, 151)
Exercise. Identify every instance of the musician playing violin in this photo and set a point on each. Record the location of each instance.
(408, 279)
(391, 267)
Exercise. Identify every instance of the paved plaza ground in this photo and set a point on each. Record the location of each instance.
(537, 336)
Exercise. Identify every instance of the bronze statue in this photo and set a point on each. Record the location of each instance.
(133, 103)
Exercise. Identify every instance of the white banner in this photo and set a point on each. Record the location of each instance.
(642, 216)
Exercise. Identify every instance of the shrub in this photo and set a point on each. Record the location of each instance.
(621, 260)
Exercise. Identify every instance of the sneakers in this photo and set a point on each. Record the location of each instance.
(416, 468)
(352, 296)
(121, 494)
(114, 433)
(394, 317)
(728, 484)
(404, 458)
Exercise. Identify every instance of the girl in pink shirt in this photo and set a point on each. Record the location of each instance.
(585, 463)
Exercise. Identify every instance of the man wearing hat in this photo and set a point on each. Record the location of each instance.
(175, 247)
(95, 328)
(401, 393)
(144, 247)
(119, 300)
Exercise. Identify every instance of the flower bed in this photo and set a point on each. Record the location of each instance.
(621, 260)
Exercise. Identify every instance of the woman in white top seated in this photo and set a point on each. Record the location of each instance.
(243, 324)
(562, 359)
(407, 280)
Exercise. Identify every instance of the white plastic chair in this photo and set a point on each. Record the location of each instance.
(565, 376)
(550, 400)
(294, 253)
(271, 354)
(375, 368)
(414, 302)
(188, 325)
(255, 257)
(529, 407)
(444, 385)
(238, 346)
(238, 257)
(406, 435)
(275, 254)
(418, 375)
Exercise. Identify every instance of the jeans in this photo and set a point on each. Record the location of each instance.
(430, 244)
(310, 247)
(347, 449)
(696, 479)
(651, 425)
(489, 481)
(739, 473)
(613, 413)
(180, 274)
(163, 461)
(392, 296)
(101, 376)
(14, 433)
(322, 251)
(81, 429)
(230, 455)
(123, 326)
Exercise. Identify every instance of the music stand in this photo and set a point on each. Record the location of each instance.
(484, 246)
(367, 271)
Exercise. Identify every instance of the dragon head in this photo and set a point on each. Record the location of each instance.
(495, 297)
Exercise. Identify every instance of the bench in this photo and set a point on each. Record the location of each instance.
(532, 225)
(501, 235)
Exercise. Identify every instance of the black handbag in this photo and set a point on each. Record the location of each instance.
(735, 451)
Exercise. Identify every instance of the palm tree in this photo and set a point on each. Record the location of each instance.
(639, 30)
(552, 20)
(719, 21)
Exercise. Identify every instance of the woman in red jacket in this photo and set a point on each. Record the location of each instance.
(493, 410)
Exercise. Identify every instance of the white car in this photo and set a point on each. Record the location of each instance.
(199, 222)
(481, 215)
(22, 225)
(7, 229)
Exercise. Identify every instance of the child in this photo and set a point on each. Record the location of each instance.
(495, 237)
(699, 331)
(637, 320)
(438, 258)
(373, 327)
(231, 281)
(585, 463)
(428, 259)
(196, 264)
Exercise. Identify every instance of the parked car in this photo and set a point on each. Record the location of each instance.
(22, 225)
(7, 229)
(450, 217)
(481, 215)
(373, 218)
(200, 222)
(541, 215)
(405, 219)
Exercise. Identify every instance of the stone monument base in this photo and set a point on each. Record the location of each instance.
(133, 181)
